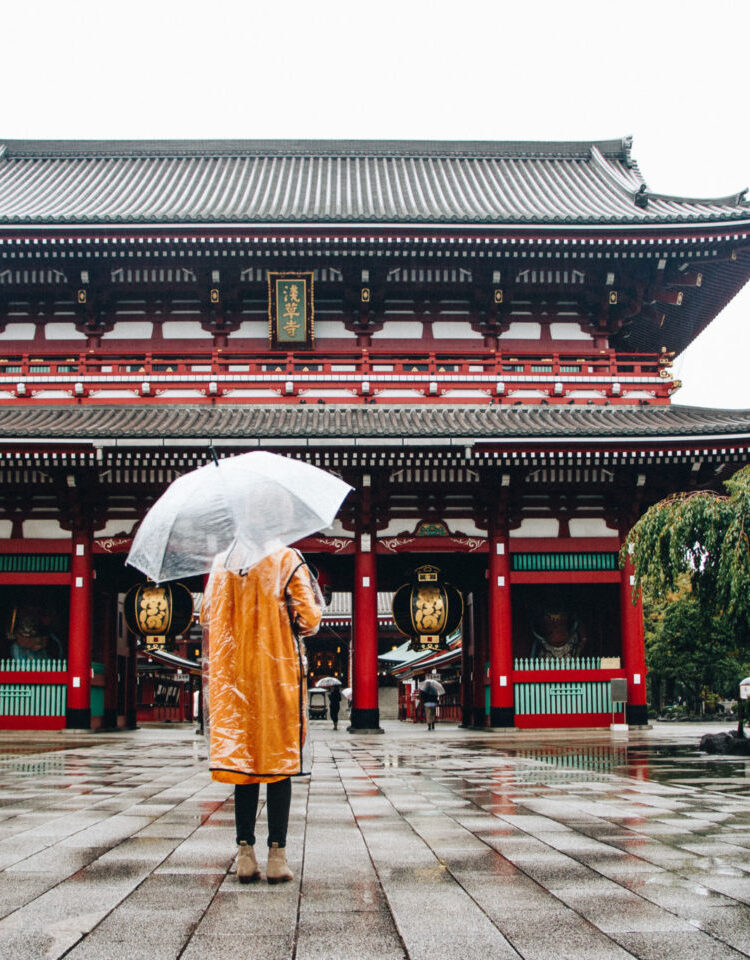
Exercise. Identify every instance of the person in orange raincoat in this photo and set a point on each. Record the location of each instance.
(257, 692)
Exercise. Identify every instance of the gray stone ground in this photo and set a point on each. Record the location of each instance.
(454, 844)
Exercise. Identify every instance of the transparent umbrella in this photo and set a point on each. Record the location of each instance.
(328, 682)
(246, 507)
(432, 686)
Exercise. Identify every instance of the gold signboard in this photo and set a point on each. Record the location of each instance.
(290, 309)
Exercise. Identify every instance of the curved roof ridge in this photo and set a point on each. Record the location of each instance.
(733, 200)
(616, 176)
(619, 149)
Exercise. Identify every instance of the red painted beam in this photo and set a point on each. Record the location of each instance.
(33, 676)
(32, 723)
(35, 578)
(35, 546)
(547, 721)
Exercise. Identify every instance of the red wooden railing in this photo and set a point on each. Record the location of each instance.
(356, 375)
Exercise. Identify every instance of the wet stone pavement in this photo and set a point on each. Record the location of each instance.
(454, 844)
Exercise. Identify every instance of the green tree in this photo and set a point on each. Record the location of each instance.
(686, 646)
(691, 552)
(702, 535)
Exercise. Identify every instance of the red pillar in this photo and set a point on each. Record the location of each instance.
(365, 713)
(633, 647)
(502, 710)
(79, 632)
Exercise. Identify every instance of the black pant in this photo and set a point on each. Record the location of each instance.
(278, 801)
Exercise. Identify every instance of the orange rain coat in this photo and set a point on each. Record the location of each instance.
(257, 688)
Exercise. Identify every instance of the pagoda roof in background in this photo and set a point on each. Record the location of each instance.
(158, 424)
(286, 182)
(339, 610)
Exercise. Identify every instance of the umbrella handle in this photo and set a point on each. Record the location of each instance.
(214, 455)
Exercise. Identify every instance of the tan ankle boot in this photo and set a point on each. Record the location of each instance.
(247, 866)
(277, 870)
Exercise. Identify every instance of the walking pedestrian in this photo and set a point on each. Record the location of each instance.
(334, 702)
(429, 695)
(257, 693)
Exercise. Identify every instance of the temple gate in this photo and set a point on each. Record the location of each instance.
(478, 337)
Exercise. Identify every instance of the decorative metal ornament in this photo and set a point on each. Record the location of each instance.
(153, 611)
(427, 610)
(431, 528)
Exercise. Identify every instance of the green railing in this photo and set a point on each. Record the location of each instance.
(32, 699)
(34, 562)
(557, 663)
(34, 666)
(564, 697)
(564, 561)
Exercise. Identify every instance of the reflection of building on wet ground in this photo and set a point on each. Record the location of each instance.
(593, 761)
(493, 376)
(462, 844)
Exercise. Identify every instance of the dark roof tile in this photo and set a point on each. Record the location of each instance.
(414, 423)
(308, 182)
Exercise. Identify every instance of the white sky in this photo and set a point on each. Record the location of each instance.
(672, 74)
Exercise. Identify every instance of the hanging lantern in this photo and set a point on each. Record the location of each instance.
(427, 609)
(158, 612)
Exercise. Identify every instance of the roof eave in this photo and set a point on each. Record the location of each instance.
(331, 226)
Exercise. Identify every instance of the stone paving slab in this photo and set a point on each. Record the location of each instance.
(414, 845)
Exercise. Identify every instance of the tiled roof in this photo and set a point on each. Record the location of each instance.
(317, 182)
(340, 607)
(367, 424)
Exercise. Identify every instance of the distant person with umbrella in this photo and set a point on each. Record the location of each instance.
(334, 702)
(333, 685)
(429, 691)
(257, 716)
